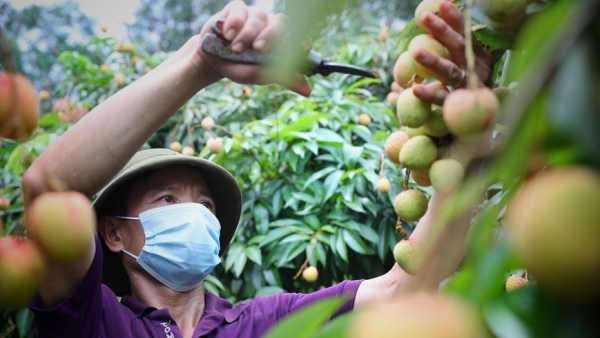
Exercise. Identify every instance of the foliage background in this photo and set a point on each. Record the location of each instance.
(307, 167)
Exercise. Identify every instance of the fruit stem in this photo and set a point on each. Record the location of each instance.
(472, 81)
(400, 229)
(8, 56)
(305, 264)
(381, 165)
(405, 182)
(54, 183)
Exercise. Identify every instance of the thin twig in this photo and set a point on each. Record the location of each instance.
(405, 182)
(472, 81)
(400, 229)
(310, 253)
(381, 165)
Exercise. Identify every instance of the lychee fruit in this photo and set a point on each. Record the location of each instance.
(22, 268)
(411, 110)
(435, 125)
(364, 119)
(188, 151)
(394, 144)
(214, 144)
(207, 123)
(421, 177)
(383, 185)
(175, 146)
(310, 274)
(417, 315)
(405, 70)
(410, 205)
(514, 282)
(62, 223)
(429, 43)
(409, 255)
(19, 106)
(432, 6)
(395, 87)
(446, 175)
(119, 79)
(553, 221)
(468, 113)
(44, 95)
(392, 98)
(418, 153)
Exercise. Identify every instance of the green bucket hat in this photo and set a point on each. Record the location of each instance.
(223, 186)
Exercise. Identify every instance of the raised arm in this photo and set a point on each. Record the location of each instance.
(90, 153)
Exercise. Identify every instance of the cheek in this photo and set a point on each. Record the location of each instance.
(135, 238)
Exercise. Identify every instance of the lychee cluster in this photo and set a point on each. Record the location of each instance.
(213, 144)
(423, 144)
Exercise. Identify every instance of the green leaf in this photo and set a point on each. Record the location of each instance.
(337, 328)
(355, 242)
(235, 250)
(317, 176)
(240, 263)
(294, 238)
(290, 251)
(261, 218)
(328, 136)
(253, 252)
(340, 245)
(305, 322)
(331, 183)
(272, 236)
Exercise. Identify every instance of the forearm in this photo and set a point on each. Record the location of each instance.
(90, 153)
(444, 244)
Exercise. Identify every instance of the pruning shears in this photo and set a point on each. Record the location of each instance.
(217, 45)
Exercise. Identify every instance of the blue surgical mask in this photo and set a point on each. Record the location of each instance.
(182, 244)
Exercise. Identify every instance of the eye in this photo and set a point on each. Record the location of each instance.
(207, 204)
(167, 198)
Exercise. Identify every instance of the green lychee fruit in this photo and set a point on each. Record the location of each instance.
(507, 25)
(435, 125)
(418, 153)
(421, 177)
(411, 110)
(446, 175)
(409, 255)
(514, 282)
(553, 220)
(468, 113)
(383, 185)
(410, 205)
(405, 70)
(393, 144)
(412, 132)
(429, 43)
(502, 10)
(432, 6)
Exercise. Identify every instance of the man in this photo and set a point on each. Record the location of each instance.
(165, 218)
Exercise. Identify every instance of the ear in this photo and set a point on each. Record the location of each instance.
(109, 229)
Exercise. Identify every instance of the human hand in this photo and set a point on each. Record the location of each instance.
(448, 28)
(248, 28)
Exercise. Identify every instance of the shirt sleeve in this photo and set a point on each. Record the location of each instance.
(291, 302)
(80, 314)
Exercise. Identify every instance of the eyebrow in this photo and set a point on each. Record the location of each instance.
(174, 187)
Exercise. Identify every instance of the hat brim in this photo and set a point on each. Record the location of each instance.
(223, 186)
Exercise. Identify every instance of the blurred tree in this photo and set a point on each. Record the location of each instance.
(38, 34)
(165, 25)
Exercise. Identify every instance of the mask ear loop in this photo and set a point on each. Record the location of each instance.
(133, 219)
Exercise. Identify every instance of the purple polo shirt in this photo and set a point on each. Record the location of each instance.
(94, 311)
